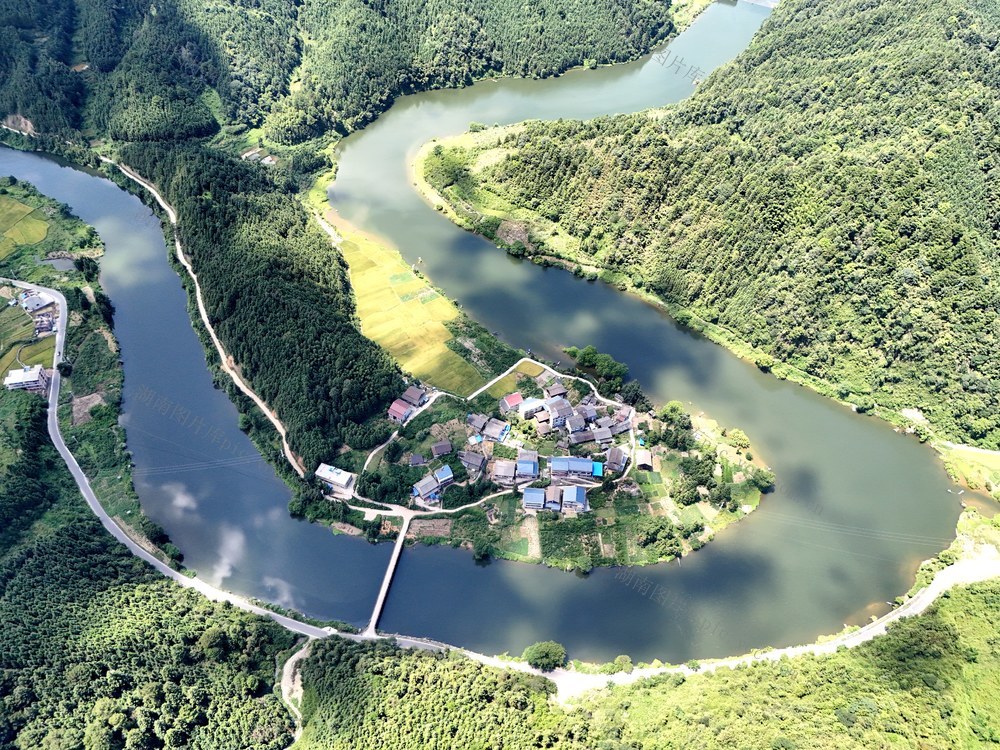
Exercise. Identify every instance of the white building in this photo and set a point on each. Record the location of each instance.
(337, 479)
(34, 379)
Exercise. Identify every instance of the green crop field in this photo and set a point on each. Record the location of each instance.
(15, 326)
(402, 313)
(38, 353)
(18, 226)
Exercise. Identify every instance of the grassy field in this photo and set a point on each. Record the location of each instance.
(18, 226)
(975, 468)
(403, 314)
(15, 326)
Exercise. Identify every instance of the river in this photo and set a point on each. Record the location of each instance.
(857, 505)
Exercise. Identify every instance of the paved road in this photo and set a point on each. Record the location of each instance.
(569, 683)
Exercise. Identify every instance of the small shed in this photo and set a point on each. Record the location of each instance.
(415, 396)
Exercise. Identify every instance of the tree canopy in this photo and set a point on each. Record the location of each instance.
(830, 196)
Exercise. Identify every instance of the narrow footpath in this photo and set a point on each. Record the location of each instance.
(226, 362)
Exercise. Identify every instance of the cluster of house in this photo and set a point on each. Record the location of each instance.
(39, 306)
(582, 423)
(259, 155)
(490, 428)
(34, 379)
(438, 450)
(556, 498)
(403, 407)
(567, 497)
(429, 488)
(524, 469)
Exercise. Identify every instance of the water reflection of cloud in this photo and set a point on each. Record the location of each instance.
(269, 519)
(282, 592)
(232, 550)
(181, 502)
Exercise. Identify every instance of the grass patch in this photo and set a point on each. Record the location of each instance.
(18, 225)
(503, 386)
(402, 313)
(11, 212)
(15, 326)
(976, 469)
(531, 369)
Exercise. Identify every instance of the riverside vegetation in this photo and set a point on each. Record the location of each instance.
(162, 78)
(96, 649)
(931, 681)
(844, 238)
(702, 480)
(96, 652)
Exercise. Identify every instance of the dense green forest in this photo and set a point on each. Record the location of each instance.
(161, 75)
(277, 293)
(363, 53)
(182, 68)
(931, 682)
(830, 197)
(96, 649)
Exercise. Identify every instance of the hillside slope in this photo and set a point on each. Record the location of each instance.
(831, 197)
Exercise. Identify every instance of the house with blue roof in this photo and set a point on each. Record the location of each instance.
(571, 466)
(534, 498)
(444, 476)
(575, 498)
(527, 470)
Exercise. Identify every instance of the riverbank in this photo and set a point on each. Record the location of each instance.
(401, 312)
(483, 212)
(89, 409)
(643, 505)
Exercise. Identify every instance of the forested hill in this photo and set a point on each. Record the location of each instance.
(831, 197)
(153, 81)
(362, 53)
(178, 69)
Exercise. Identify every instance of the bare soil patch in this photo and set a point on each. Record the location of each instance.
(430, 527)
(82, 406)
(514, 231)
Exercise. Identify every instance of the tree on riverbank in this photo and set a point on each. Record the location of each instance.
(545, 655)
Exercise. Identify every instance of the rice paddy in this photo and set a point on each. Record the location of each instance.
(401, 312)
(19, 225)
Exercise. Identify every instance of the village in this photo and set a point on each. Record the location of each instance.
(28, 325)
(580, 437)
(536, 466)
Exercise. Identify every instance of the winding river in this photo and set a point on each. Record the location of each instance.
(857, 505)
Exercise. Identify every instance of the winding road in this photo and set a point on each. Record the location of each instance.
(113, 528)
(569, 683)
